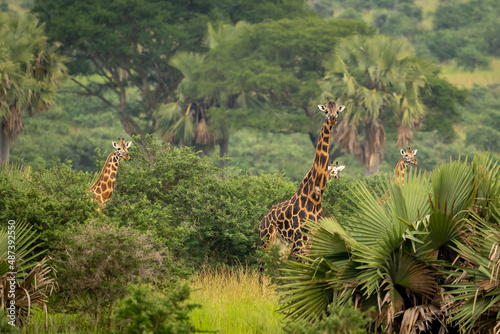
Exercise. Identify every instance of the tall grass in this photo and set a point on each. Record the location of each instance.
(234, 301)
(61, 323)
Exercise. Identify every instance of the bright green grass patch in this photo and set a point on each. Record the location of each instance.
(233, 301)
(460, 78)
(60, 323)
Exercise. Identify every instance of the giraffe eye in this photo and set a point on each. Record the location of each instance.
(119, 148)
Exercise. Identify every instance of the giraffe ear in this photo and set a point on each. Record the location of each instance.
(115, 145)
(402, 152)
(341, 108)
(322, 108)
(128, 144)
(340, 168)
(414, 152)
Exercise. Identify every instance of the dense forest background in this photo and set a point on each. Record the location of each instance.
(219, 99)
(271, 132)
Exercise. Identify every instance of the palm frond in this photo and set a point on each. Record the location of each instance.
(18, 173)
(476, 289)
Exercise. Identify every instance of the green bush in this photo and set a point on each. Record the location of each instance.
(5, 327)
(202, 213)
(95, 262)
(343, 319)
(147, 310)
(47, 197)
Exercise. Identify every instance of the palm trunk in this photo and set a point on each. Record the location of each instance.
(4, 145)
(372, 167)
(224, 148)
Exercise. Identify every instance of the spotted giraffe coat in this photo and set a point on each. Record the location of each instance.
(283, 224)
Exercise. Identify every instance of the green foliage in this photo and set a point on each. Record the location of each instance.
(33, 284)
(397, 252)
(443, 111)
(462, 30)
(201, 212)
(264, 10)
(50, 197)
(31, 71)
(380, 80)
(149, 310)
(343, 319)
(5, 327)
(279, 61)
(482, 118)
(78, 124)
(394, 23)
(95, 262)
(262, 152)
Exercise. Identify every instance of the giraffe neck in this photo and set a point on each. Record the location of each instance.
(399, 172)
(314, 182)
(103, 187)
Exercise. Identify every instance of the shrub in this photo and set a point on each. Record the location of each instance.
(47, 197)
(147, 310)
(203, 213)
(97, 260)
(343, 319)
(5, 327)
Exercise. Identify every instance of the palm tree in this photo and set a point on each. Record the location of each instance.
(427, 259)
(32, 282)
(29, 75)
(380, 80)
(188, 120)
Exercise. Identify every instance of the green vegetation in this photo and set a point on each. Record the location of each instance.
(165, 312)
(398, 255)
(30, 74)
(235, 301)
(176, 249)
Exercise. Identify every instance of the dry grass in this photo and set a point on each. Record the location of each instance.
(233, 301)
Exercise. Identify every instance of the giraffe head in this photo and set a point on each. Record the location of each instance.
(334, 170)
(409, 156)
(121, 148)
(331, 110)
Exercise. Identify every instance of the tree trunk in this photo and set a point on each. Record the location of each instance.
(4, 145)
(224, 148)
(372, 163)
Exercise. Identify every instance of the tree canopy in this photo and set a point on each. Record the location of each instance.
(278, 60)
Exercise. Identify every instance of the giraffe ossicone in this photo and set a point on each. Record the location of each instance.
(103, 187)
(283, 224)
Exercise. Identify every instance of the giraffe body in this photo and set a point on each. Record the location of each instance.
(103, 187)
(282, 225)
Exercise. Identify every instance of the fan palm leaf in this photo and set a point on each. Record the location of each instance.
(33, 282)
(476, 289)
(487, 183)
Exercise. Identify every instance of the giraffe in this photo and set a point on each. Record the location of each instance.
(282, 225)
(103, 187)
(408, 157)
(334, 170)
